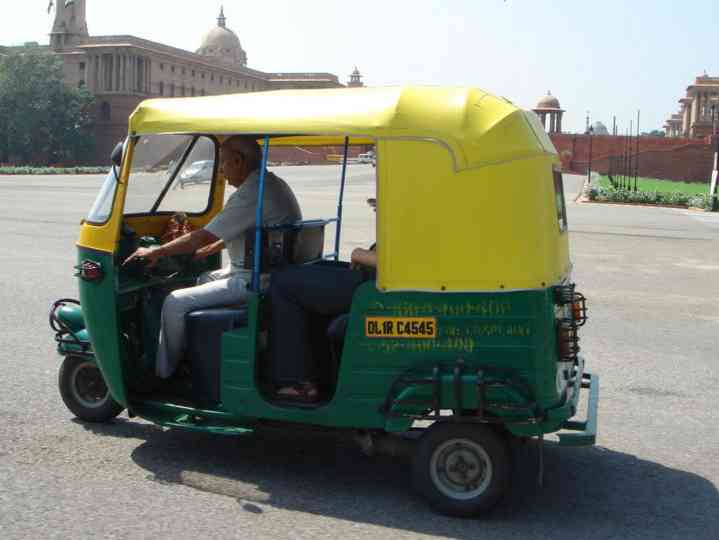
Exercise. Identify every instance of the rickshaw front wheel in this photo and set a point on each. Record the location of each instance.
(84, 391)
(462, 470)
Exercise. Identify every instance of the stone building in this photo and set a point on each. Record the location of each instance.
(122, 70)
(698, 110)
(548, 108)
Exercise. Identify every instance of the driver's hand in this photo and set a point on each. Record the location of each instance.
(151, 255)
(201, 254)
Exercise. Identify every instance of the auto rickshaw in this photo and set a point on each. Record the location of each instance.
(467, 339)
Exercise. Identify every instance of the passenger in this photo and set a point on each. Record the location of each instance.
(240, 160)
(298, 294)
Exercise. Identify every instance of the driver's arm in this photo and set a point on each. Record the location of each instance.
(187, 243)
(209, 249)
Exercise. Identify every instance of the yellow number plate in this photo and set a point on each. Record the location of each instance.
(401, 327)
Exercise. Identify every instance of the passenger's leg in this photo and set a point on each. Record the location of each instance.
(180, 302)
(297, 294)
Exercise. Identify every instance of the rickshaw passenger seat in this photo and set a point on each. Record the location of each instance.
(336, 331)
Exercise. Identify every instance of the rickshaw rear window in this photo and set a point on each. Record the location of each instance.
(559, 199)
(171, 173)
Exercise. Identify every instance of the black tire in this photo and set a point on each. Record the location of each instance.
(480, 468)
(84, 391)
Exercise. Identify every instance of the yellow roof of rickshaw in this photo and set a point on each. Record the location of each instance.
(477, 126)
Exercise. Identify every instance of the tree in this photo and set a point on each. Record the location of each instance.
(41, 119)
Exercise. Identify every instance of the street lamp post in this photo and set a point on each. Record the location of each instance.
(590, 131)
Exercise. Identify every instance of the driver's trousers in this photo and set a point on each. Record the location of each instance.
(214, 289)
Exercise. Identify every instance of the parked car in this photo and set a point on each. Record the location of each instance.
(368, 157)
(197, 172)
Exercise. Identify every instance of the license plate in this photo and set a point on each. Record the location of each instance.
(401, 327)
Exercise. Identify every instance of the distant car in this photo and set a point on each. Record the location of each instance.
(368, 157)
(197, 172)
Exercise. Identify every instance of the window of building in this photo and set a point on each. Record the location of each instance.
(193, 73)
(172, 69)
(202, 75)
(162, 66)
(212, 76)
(82, 66)
(172, 90)
(162, 88)
(182, 91)
(183, 71)
(202, 92)
(105, 112)
(221, 80)
(192, 92)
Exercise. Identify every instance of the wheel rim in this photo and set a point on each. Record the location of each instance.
(461, 469)
(88, 387)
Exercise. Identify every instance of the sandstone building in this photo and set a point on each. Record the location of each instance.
(698, 110)
(122, 70)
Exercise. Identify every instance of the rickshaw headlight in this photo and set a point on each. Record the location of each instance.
(90, 271)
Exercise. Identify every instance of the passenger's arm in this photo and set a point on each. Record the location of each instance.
(187, 243)
(363, 257)
(208, 250)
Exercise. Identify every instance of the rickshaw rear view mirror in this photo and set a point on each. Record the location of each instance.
(116, 156)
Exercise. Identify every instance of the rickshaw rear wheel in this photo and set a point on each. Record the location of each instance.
(84, 391)
(462, 470)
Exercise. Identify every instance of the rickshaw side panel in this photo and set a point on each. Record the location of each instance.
(511, 331)
(99, 305)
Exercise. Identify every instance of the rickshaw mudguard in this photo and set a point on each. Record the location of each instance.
(71, 315)
(99, 305)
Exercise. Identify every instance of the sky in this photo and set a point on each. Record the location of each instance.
(604, 58)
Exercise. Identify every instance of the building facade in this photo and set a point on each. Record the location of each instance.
(698, 110)
(123, 70)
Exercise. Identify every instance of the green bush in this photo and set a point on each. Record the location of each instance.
(675, 198)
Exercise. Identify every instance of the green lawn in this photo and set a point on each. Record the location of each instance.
(663, 186)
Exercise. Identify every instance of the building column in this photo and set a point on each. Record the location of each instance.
(693, 117)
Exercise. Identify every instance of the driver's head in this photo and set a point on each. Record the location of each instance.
(239, 156)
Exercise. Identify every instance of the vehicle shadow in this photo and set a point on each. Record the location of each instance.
(587, 493)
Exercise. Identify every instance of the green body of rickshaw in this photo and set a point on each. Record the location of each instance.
(467, 338)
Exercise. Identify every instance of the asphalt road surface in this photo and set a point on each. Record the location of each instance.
(652, 279)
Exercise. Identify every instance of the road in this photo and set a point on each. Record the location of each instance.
(650, 275)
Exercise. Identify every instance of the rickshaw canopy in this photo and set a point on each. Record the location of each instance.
(477, 126)
(469, 197)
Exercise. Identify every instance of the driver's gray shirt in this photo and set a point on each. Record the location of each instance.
(239, 213)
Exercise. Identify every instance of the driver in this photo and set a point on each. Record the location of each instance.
(240, 161)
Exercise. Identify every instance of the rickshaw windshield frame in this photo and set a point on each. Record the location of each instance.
(177, 167)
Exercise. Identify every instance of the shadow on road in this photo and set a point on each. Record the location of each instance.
(588, 492)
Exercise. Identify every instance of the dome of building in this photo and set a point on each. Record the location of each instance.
(599, 129)
(548, 102)
(223, 44)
